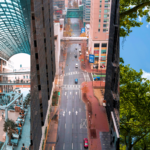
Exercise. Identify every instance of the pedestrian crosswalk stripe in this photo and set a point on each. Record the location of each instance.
(71, 86)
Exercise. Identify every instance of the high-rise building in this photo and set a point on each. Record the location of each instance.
(86, 11)
(99, 32)
(42, 67)
(112, 77)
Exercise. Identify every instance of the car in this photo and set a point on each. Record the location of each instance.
(75, 56)
(76, 81)
(96, 78)
(79, 50)
(80, 53)
(85, 141)
(76, 65)
(76, 48)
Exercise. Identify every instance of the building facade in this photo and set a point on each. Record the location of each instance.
(112, 77)
(42, 68)
(99, 32)
(86, 11)
(5, 66)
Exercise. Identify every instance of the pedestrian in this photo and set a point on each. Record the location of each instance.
(23, 147)
(2, 115)
(95, 115)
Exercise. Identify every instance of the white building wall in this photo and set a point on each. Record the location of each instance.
(57, 45)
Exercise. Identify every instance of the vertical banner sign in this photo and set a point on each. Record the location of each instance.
(91, 58)
(82, 30)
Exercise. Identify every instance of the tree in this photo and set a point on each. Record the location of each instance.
(75, 4)
(134, 109)
(85, 89)
(9, 127)
(83, 34)
(130, 10)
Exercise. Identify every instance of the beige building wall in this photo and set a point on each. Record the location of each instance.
(99, 31)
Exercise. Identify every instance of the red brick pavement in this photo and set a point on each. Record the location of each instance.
(98, 122)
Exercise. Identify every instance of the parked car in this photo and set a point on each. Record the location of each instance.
(80, 53)
(96, 78)
(85, 142)
(76, 81)
(76, 65)
(95, 66)
(75, 56)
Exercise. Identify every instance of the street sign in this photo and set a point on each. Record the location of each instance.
(91, 58)
(58, 93)
(82, 30)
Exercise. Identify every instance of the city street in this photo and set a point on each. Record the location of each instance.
(72, 128)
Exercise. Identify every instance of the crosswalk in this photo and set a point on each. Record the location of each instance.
(70, 87)
(71, 73)
(86, 77)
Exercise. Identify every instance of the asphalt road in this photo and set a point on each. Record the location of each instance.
(72, 127)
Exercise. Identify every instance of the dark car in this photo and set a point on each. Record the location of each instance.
(75, 56)
(76, 81)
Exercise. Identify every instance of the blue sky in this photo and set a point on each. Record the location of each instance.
(136, 48)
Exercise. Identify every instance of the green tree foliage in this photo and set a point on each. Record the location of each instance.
(75, 4)
(130, 10)
(134, 109)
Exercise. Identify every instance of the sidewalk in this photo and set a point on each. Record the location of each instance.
(96, 124)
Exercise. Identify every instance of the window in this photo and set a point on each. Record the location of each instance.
(99, 20)
(100, 1)
(104, 44)
(98, 30)
(100, 11)
(24, 77)
(107, 1)
(96, 45)
(99, 16)
(105, 25)
(106, 10)
(100, 6)
(107, 5)
(105, 16)
(104, 30)
(99, 25)
(106, 20)
(35, 45)
(27, 77)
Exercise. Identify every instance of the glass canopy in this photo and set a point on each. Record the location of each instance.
(14, 27)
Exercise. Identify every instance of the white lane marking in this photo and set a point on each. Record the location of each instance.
(72, 126)
(71, 73)
(79, 109)
(72, 145)
(64, 146)
(65, 125)
(69, 112)
(63, 113)
(84, 77)
(65, 93)
(70, 93)
(76, 93)
(80, 146)
(76, 112)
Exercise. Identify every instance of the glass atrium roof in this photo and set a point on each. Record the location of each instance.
(14, 27)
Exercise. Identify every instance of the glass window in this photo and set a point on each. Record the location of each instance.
(100, 6)
(27, 77)
(104, 44)
(99, 16)
(105, 25)
(105, 30)
(96, 45)
(99, 25)
(106, 20)
(100, 11)
(100, 1)
(98, 30)
(107, 1)
(105, 16)
(106, 10)
(99, 20)
(24, 77)
(107, 5)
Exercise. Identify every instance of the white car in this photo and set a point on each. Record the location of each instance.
(80, 53)
(76, 65)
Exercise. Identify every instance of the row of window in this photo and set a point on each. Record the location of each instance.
(102, 45)
(106, 1)
(104, 30)
(27, 77)
(104, 25)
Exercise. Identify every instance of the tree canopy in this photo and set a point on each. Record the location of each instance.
(134, 109)
(130, 11)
